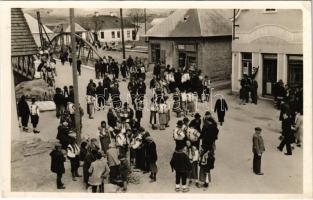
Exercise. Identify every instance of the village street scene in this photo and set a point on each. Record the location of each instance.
(157, 100)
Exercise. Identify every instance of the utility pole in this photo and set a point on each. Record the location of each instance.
(75, 80)
(145, 16)
(234, 26)
(40, 30)
(122, 29)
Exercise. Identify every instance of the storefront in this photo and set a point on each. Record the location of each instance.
(272, 45)
(187, 55)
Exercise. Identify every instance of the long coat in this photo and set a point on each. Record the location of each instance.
(221, 108)
(258, 144)
(57, 162)
(151, 153)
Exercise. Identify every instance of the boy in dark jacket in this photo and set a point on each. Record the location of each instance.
(57, 164)
(182, 166)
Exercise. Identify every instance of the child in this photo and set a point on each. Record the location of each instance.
(193, 154)
(206, 164)
(124, 170)
(34, 115)
(181, 164)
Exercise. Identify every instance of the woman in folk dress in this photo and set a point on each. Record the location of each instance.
(163, 114)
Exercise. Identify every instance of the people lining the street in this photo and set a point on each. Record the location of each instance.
(123, 142)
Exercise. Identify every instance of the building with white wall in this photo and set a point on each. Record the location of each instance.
(271, 43)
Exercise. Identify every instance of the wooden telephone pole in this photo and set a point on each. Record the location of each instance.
(122, 29)
(75, 80)
(234, 25)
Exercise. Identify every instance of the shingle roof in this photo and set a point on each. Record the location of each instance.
(33, 24)
(67, 28)
(22, 41)
(107, 22)
(194, 23)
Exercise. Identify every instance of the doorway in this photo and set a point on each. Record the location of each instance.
(269, 73)
(186, 59)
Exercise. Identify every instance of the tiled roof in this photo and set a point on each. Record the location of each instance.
(194, 23)
(22, 41)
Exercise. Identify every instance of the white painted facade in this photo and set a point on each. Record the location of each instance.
(115, 35)
(261, 34)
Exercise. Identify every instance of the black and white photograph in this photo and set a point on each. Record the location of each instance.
(140, 99)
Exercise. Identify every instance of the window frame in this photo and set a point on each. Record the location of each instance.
(113, 34)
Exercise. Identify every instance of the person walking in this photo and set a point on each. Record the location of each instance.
(257, 149)
(73, 152)
(287, 134)
(98, 170)
(57, 164)
(151, 157)
(34, 115)
(100, 96)
(23, 112)
(182, 166)
(59, 101)
(221, 108)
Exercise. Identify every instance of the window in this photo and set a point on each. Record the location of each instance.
(187, 47)
(270, 10)
(128, 34)
(246, 61)
(102, 35)
(118, 34)
(113, 34)
(295, 70)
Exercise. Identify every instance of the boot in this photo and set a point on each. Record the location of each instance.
(73, 177)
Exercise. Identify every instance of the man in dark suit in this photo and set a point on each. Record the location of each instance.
(287, 134)
(57, 164)
(257, 149)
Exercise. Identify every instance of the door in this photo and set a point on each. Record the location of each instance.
(269, 73)
(182, 59)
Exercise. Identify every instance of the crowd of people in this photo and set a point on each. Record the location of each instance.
(289, 100)
(123, 145)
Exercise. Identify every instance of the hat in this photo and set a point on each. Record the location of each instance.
(72, 134)
(207, 113)
(258, 129)
(197, 115)
(179, 123)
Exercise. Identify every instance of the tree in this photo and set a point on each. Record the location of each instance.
(136, 17)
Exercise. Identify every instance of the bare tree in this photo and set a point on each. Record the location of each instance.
(136, 17)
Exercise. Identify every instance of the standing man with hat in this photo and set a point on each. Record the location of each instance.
(257, 149)
(57, 164)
